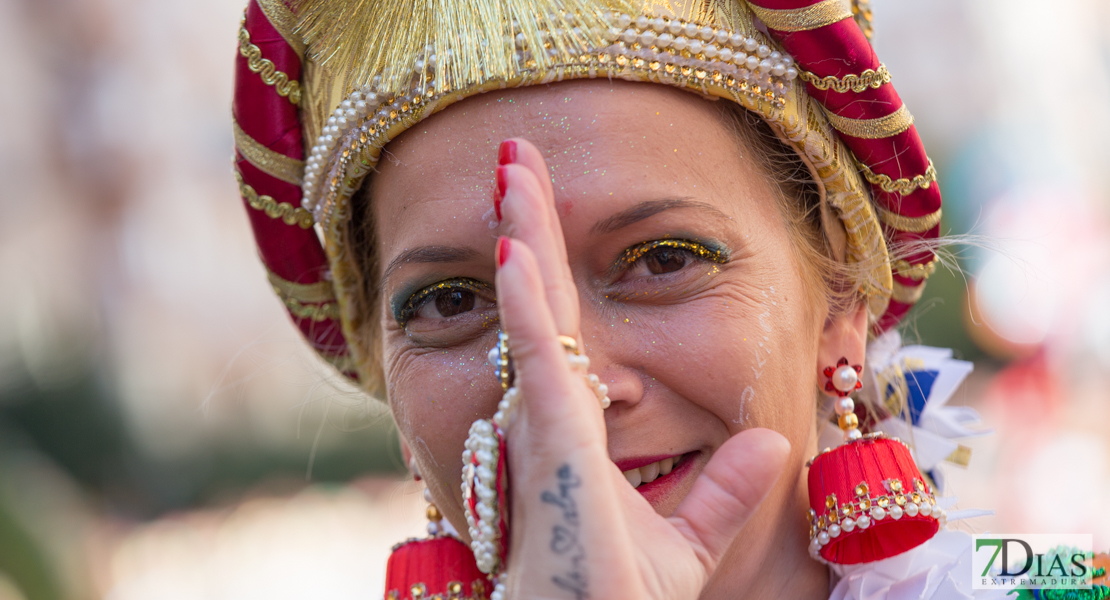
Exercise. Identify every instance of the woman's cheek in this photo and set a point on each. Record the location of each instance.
(436, 395)
(737, 344)
(705, 351)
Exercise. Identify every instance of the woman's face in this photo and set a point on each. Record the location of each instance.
(698, 338)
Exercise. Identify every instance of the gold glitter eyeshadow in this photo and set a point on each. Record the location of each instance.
(418, 299)
(699, 250)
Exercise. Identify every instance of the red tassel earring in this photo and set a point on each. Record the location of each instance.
(438, 566)
(868, 500)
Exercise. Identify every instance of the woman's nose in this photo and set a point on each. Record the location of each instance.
(626, 386)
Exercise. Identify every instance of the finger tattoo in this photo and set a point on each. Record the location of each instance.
(564, 535)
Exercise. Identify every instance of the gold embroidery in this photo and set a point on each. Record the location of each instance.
(910, 224)
(892, 382)
(871, 78)
(316, 312)
(320, 291)
(285, 168)
(861, 11)
(903, 185)
(918, 272)
(267, 69)
(285, 22)
(274, 209)
(803, 19)
(907, 294)
(960, 456)
(873, 129)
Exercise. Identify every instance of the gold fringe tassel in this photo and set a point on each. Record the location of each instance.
(472, 40)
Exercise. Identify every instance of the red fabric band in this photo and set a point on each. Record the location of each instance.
(435, 563)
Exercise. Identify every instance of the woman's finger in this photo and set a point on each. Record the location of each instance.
(737, 478)
(528, 215)
(519, 151)
(553, 393)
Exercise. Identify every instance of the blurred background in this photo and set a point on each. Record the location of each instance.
(164, 433)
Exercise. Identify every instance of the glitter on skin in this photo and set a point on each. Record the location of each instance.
(417, 300)
(717, 255)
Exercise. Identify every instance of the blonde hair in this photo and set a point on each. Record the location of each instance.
(830, 281)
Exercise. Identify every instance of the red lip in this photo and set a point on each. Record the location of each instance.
(662, 487)
(635, 463)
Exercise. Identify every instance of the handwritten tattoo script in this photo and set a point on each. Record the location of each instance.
(564, 536)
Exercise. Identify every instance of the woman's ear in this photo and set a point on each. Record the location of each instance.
(844, 336)
(410, 462)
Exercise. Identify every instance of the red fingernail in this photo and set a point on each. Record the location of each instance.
(502, 252)
(502, 184)
(506, 154)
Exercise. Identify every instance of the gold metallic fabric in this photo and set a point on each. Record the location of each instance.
(292, 215)
(316, 312)
(267, 70)
(911, 224)
(871, 78)
(917, 272)
(276, 164)
(285, 22)
(904, 186)
(310, 293)
(874, 129)
(861, 11)
(803, 19)
(907, 294)
(960, 456)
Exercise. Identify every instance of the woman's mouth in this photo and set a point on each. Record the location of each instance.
(659, 478)
(650, 472)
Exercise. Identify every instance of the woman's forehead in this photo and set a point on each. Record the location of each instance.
(572, 123)
(600, 139)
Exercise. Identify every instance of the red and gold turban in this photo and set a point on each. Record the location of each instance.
(323, 85)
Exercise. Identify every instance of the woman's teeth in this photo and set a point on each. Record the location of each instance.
(649, 473)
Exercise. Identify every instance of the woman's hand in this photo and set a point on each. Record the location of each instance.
(578, 529)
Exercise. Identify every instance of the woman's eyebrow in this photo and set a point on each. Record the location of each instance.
(428, 254)
(648, 209)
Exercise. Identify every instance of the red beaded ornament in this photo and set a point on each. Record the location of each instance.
(868, 500)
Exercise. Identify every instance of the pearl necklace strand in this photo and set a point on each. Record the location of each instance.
(484, 465)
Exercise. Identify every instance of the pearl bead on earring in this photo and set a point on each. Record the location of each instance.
(845, 378)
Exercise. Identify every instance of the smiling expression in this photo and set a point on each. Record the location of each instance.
(693, 301)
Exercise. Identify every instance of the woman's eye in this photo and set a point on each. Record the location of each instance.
(668, 256)
(664, 260)
(447, 303)
(446, 299)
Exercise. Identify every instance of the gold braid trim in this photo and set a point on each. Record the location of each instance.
(803, 19)
(285, 168)
(273, 209)
(907, 294)
(873, 129)
(903, 185)
(320, 291)
(871, 78)
(316, 312)
(918, 272)
(265, 68)
(285, 22)
(910, 224)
